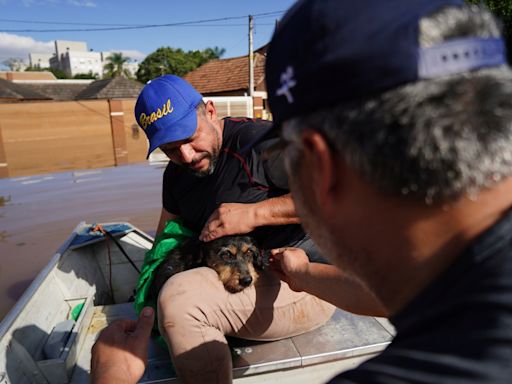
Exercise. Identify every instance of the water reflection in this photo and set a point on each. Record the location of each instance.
(38, 213)
(4, 200)
(3, 236)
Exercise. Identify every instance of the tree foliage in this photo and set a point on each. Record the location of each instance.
(115, 65)
(14, 63)
(58, 73)
(88, 75)
(167, 60)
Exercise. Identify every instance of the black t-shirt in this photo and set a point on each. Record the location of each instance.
(242, 175)
(459, 329)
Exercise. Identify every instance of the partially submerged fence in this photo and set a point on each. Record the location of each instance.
(49, 136)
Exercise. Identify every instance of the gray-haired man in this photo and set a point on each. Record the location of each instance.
(396, 118)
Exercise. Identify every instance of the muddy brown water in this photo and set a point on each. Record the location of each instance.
(38, 213)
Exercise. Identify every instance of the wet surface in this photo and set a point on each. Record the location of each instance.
(38, 213)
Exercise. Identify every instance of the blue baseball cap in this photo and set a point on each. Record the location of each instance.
(327, 52)
(166, 110)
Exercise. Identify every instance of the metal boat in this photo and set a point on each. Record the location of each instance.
(88, 283)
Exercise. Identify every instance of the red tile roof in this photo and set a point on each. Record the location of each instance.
(227, 74)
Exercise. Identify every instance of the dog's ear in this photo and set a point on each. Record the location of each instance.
(262, 259)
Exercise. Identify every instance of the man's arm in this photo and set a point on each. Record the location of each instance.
(165, 216)
(238, 218)
(324, 281)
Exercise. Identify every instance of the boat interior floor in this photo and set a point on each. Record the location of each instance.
(342, 343)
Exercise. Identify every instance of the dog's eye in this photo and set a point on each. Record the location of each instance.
(250, 253)
(226, 255)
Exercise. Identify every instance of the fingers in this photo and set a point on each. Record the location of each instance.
(211, 229)
(278, 252)
(208, 234)
(144, 324)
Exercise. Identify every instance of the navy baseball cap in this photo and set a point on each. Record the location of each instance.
(166, 110)
(327, 52)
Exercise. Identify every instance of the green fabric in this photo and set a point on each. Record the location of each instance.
(75, 312)
(172, 236)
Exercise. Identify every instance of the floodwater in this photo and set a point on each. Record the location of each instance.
(38, 213)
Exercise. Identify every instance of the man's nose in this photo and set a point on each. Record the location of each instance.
(187, 153)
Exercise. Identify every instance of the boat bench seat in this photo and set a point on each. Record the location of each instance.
(343, 337)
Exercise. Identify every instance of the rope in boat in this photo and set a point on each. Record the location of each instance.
(107, 234)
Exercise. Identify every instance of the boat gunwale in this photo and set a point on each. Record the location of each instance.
(28, 295)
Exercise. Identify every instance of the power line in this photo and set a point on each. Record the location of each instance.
(65, 23)
(131, 27)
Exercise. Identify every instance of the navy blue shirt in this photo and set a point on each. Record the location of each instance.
(459, 329)
(242, 175)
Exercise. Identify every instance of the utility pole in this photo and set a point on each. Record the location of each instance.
(251, 58)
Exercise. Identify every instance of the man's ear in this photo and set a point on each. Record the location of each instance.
(211, 111)
(323, 168)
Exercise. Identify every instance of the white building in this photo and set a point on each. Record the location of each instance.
(40, 60)
(73, 57)
(63, 46)
(75, 62)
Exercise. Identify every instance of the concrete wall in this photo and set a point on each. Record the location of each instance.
(52, 136)
(136, 142)
(32, 75)
(43, 137)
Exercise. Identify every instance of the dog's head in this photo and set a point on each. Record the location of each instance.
(233, 258)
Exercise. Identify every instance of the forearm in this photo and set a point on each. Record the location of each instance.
(240, 218)
(330, 284)
(275, 211)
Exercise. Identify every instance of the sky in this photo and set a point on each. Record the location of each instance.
(21, 22)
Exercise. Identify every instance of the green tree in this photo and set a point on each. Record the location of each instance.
(59, 74)
(88, 75)
(14, 63)
(115, 65)
(503, 10)
(167, 60)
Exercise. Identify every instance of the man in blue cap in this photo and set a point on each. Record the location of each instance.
(218, 183)
(395, 118)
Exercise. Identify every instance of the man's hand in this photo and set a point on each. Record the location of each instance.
(291, 265)
(229, 219)
(121, 351)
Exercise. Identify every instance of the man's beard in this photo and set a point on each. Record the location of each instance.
(212, 157)
(212, 162)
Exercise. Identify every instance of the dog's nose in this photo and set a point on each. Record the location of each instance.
(245, 281)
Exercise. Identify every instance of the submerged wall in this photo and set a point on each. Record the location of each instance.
(42, 137)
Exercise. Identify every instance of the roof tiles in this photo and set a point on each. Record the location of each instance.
(226, 74)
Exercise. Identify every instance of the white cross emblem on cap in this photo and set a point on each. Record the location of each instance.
(287, 82)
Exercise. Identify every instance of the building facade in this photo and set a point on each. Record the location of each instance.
(40, 60)
(74, 58)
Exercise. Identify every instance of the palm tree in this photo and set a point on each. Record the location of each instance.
(115, 65)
